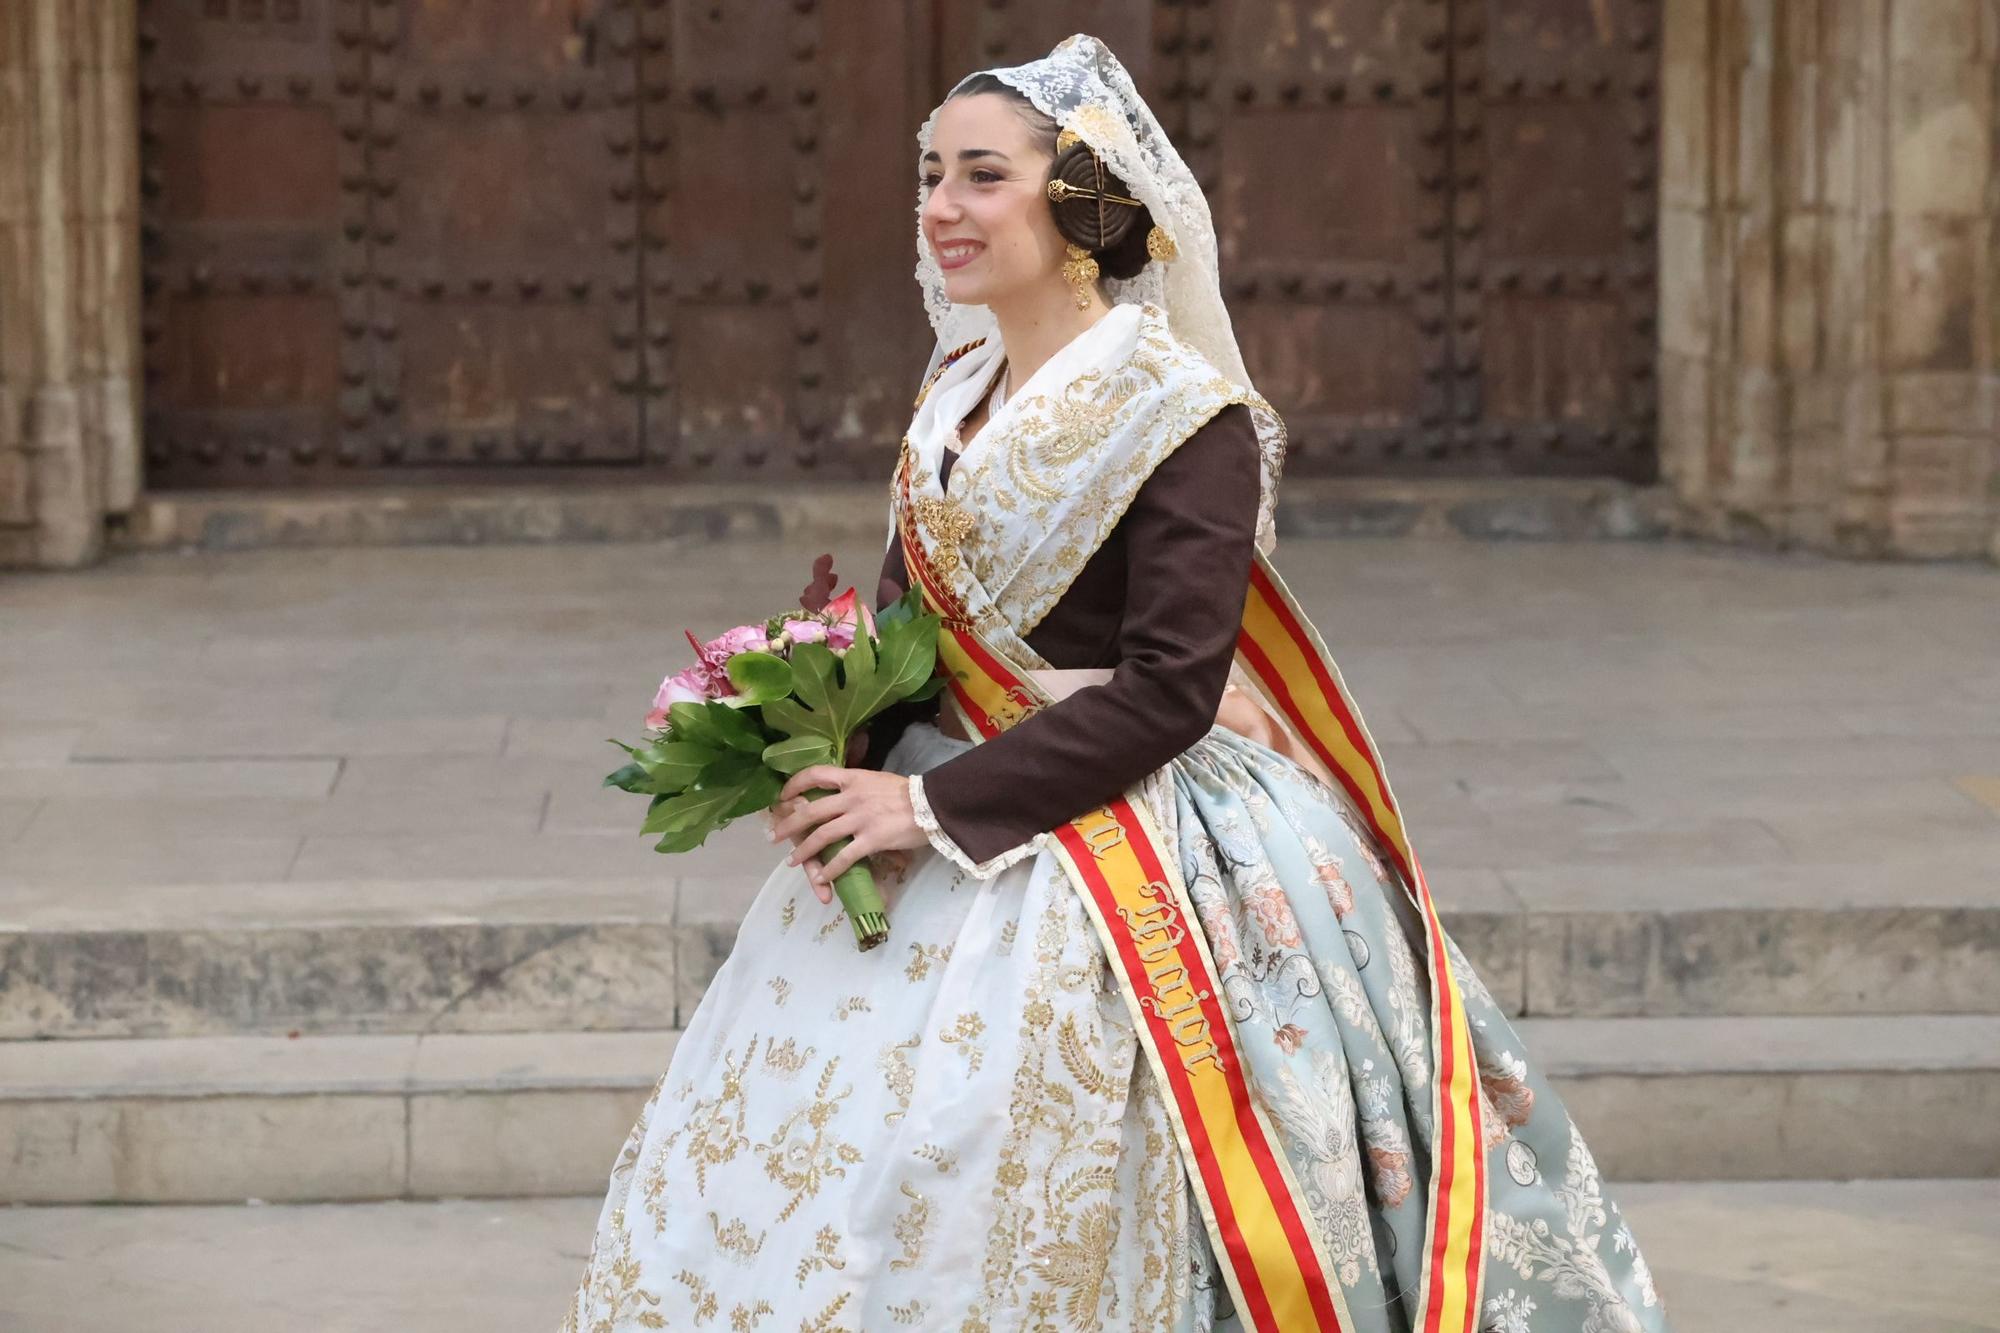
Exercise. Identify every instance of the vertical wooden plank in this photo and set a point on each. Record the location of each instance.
(864, 95)
(1555, 236)
(1331, 184)
(253, 202)
(504, 253)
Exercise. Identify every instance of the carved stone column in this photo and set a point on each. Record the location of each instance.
(69, 287)
(1830, 272)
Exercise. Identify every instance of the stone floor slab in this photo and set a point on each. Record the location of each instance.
(580, 857)
(16, 812)
(169, 777)
(1780, 1257)
(27, 742)
(270, 738)
(77, 866)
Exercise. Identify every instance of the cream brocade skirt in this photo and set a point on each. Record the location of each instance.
(958, 1130)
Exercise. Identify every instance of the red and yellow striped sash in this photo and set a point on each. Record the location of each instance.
(1297, 676)
(1272, 1258)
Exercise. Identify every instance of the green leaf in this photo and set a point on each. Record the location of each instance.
(901, 611)
(795, 753)
(691, 722)
(677, 764)
(848, 704)
(756, 793)
(907, 658)
(814, 669)
(683, 842)
(792, 718)
(759, 677)
(735, 765)
(632, 778)
(739, 731)
(687, 819)
(700, 808)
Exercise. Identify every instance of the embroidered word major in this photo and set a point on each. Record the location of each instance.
(1157, 933)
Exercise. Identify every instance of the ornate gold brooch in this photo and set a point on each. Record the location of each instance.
(949, 524)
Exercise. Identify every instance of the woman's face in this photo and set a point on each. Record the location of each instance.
(985, 210)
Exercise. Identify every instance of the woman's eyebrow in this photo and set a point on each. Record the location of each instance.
(968, 154)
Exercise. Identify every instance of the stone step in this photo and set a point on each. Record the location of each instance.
(638, 510)
(382, 956)
(214, 1119)
(357, 1117)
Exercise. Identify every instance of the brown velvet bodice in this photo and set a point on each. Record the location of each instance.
(1160, 603)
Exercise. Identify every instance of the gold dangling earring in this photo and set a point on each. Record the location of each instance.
(1080, 271)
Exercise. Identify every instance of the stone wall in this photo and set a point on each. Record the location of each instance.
(1830, 272)
(69, 292)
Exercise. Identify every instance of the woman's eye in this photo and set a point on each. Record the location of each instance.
(980, 177)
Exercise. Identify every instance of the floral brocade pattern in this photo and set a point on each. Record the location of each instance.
(957, 1130)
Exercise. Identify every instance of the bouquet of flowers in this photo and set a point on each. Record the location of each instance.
(766, 700)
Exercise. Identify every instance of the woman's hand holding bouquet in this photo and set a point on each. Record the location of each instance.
(783, 699)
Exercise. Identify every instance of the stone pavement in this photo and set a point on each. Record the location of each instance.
(311, 846)
(296, 717)
(1792, 1257)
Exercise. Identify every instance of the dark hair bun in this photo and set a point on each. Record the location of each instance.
(1114, 233)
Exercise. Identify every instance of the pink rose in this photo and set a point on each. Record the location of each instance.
(742, 639)
(805, 631)
(847, 609)
(683, 687)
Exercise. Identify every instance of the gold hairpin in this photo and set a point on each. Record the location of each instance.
(1060, 190)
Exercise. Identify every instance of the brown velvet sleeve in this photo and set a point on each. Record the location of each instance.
(1188, 540)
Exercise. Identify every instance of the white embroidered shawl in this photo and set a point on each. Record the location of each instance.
(1047, 479)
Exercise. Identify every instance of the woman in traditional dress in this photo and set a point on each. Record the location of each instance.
(1166, 1035)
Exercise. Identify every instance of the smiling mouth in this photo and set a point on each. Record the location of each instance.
(954, 251)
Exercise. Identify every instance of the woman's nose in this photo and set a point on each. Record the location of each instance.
(940, 205)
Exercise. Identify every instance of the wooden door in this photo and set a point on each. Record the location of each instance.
(411, 240)
(386, 241)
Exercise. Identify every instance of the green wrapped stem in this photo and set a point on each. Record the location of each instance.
(857, 891)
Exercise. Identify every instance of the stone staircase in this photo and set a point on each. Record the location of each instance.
(381, 1039)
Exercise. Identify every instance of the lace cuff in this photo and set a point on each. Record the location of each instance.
(950, 850)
